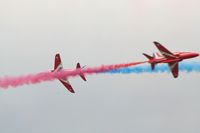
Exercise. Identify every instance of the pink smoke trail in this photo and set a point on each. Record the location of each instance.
(8, 81)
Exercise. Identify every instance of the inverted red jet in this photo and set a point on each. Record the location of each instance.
(166, 56)
(58, 67)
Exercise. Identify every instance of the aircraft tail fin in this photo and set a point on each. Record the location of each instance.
(153, 66)
(78, 66)
(148, 56)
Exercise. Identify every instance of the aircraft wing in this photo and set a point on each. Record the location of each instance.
(174, 68)
(58, 63)
(57, 67)
(67, 84)
(165, 52)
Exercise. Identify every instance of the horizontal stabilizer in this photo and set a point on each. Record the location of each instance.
(148, 56)
(78, 66)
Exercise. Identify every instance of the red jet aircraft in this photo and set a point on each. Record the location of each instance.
(58, 67)
(172, 59)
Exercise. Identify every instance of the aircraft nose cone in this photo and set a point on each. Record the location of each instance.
(196, 54)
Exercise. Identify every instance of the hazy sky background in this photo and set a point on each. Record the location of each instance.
(98, 32)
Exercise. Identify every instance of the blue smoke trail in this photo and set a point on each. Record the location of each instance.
(183, 67)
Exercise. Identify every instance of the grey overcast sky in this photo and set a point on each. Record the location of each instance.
(96, 32)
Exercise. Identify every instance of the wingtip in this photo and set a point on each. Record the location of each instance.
(71, 90)
(156, 43)
(176, 76)
(83, 77)
(57, 54)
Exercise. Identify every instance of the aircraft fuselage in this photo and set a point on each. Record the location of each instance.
(172, 59)
(179, 56)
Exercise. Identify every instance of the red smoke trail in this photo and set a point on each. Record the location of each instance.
(49, 76)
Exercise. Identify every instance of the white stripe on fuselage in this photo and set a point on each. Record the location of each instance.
(167, 54)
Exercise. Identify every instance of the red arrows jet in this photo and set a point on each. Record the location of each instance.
(166, 56)
(58, 67)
